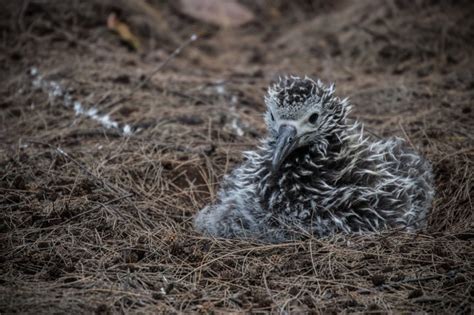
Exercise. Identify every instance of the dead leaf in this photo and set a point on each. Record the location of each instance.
(226, 13)
(122, 29)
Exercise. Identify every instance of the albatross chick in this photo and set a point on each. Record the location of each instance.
(318, 173)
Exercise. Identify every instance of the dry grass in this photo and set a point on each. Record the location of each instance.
(91, 221)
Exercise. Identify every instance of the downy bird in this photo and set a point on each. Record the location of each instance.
(318, 173)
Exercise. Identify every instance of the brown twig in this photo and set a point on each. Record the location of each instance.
(82, 167)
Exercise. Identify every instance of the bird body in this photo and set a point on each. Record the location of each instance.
(317, 173)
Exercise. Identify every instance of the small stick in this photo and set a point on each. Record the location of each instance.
(428, 278)
(82, 167)
(428, 299)
(97, 207)
(462, 151)
(176, 52)
(373, 133)
(269, 292)
(21, 14)
(406, 135)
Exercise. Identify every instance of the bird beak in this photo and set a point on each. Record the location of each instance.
(286, 142)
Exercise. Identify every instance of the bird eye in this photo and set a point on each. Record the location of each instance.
(313, 118)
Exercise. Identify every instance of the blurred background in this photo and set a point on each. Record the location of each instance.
(111, 139)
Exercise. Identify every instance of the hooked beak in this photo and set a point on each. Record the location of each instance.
(285, 144)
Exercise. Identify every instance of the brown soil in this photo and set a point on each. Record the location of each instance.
(95, 221)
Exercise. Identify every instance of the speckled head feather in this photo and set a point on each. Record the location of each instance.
(292, 95)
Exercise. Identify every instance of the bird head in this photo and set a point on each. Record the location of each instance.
(302, 112)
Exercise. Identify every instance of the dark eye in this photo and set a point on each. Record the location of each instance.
(271, 115)
(313, 118)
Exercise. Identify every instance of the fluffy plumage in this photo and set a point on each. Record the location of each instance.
(318, 173)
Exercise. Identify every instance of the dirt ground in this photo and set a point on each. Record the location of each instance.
(96, 211)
